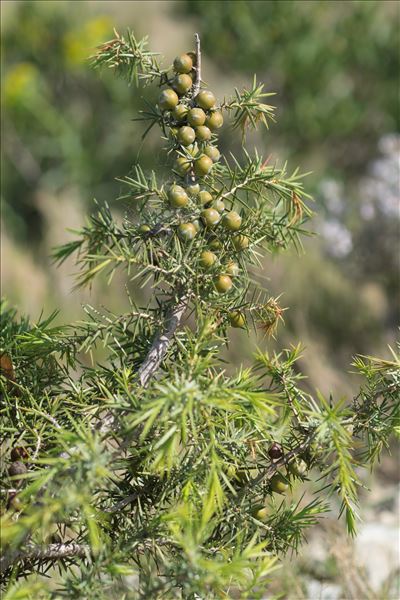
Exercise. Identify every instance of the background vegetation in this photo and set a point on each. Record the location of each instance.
(334, 65)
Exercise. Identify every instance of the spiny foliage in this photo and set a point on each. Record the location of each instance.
(154, 473)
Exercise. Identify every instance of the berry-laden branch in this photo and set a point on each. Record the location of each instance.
(284, 459)
(174, 317)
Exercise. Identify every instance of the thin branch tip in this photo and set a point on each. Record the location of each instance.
(197, 81)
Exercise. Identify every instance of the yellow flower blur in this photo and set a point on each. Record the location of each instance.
(19, 82)
(79, 44)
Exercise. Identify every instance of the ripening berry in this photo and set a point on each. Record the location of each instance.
(182, 84)
(186, 136)
(232, 221)
(183, 63)
(177, 196)
(278, 484)
(19, 452)
(232, 269)
(261, 513)
(14, 502)
(275, 451)
(215, 244)
(179, 113)
(205, 99)
(213, 153)
(203, 165)
(182, 165)
(218, 205)
(214, 120)
(187, 231)
(196, 117)
(143, 229)
(193, 189)
(210, 217)
(207, 259)
(223, 284)
(240, 242)
(298, 467)
(15, 469)
(198, 225)
(7, 368)
(203, 134)
(193, 57)
(205, 197)
(231, 471)
(168, 99)
(193, 150)
(236, 319)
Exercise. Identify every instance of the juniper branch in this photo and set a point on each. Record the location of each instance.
(161, 343)
(42, 553)
(285, 459)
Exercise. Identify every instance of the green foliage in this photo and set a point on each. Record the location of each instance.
(377, 403)
(129, 58)
(248, 108)
(195, 440)
(139, 474)
(59, 132)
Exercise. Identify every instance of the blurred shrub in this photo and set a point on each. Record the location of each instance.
(333, 64)
(63, 125)
(360, 224)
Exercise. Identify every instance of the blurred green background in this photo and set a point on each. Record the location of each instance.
(68, 133)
